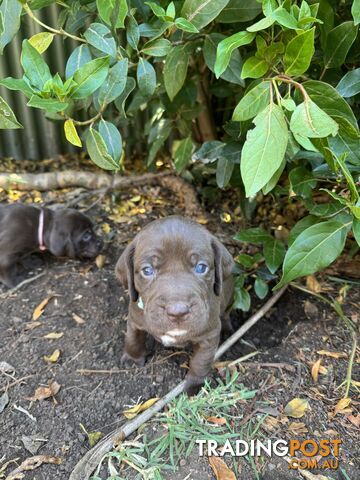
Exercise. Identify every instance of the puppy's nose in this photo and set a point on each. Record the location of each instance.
(177, 310)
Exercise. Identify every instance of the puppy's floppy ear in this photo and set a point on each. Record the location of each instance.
(60, 243)
(124, 270)
(224, 264)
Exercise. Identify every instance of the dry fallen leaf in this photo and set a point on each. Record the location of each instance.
(106, 228)
(78, 319)
(30, 464)
(32, 325)
(296, 408)
(312, 284)
(54, 357)
(270, 423)
(315, 370)
(297, 428)
(42, 393)
(53, 335)
(133, 411)
(341, 406)
(355, 420)
(310, 309)
(332, 354)
(220, 469)
(216, 420)
(40, 309)
(100, 261)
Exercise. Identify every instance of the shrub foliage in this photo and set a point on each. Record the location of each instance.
(263, 95)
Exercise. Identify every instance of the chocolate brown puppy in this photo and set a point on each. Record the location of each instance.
(25, 229)
(180, 284)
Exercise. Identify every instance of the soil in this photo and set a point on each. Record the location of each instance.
(289, 337)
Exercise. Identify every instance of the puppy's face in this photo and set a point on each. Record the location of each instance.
(174, 270)
(72, 235)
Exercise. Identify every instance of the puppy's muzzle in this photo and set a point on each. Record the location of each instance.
(177, 311)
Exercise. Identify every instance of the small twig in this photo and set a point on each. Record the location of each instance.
(54, 30)
(10, 385)
(88, 463)
(21, 284)
(348, 379)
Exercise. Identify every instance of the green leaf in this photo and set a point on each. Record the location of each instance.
(261, 24)
(239, 11)
(99, 36)
(264, 149)
(261, 288)
(132, 32)
(254, 102)
(242, 299)
(253, 235)
(329, 100)
(201, 12)
(156, 9)
(7, 117)
(314, 249)
(96, 147)
(41, 41)
(18, 84)
(175, 70)
(35, 68)
(341, 144)
(10, 11)
(338, 43)
(284, 18)
(226, 47)
(302, 181)
(158, 134)
(254, 67)
(115, 82)
(274, 253)
(121, 99)
(171, 11)
(90, 77)
(356, 230)
(299, 52)
(224, 170)
(245, 260)
(209, 151)
(300, 226)
(340, 160)
(349, 85)
(271, 184)
(312, 122)
(107, 8)
(185, 25)
(146, 77)
(355, 11)
(232, 72)
(51, 105)
(182, 154)
(112, 139)
(79, 57)
(71, 133)
(157, 48)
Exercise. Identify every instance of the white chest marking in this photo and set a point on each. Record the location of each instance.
(167, 341)
(176, 332)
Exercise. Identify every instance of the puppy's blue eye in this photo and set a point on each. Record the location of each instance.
(148, 271)
(87, 236)
(201, 268)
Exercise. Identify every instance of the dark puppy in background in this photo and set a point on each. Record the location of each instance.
(25, 229)
(180, 284)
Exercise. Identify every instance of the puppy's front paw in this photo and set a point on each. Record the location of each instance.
(193, 384)
(127, 361)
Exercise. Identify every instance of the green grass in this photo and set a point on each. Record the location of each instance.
(184, 422)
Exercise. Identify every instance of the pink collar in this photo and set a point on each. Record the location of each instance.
(41, 243)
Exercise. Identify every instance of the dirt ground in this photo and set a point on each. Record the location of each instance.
(88, 308)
